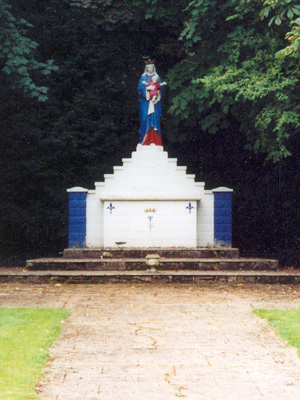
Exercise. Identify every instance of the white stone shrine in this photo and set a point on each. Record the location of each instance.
(149, 202)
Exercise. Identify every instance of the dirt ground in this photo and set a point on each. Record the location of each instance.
(161, 342)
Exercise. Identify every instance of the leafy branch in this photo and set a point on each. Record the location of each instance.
(17, 54)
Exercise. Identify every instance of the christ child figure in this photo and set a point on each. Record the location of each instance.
(153, 87)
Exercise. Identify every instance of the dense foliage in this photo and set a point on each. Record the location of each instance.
(231, 74)
(231, 112)
(17, 54)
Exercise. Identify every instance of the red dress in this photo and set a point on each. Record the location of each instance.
(153, 92)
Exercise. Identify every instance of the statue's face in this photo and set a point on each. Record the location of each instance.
(150, 68)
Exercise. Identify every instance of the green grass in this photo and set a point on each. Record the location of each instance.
(286, 323)
(25, 337)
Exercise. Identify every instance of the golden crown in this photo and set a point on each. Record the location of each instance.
(147, 60)
(147, 210)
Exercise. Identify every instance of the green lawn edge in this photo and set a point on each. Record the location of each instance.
(286, 324)
(26, 335)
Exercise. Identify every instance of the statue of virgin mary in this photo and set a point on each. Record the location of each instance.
(150, 110)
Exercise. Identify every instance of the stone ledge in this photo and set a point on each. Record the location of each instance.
(74, 277)
(120, 264)
(142, 252)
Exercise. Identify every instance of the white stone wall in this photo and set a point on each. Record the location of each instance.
(205, 220)
(149, 201)
(149, 175)
(94, 221)
(150, 223)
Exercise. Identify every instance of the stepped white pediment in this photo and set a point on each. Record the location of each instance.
(149, 175)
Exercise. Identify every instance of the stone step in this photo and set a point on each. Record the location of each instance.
(16, 275)
(201, 264)
(123, 252)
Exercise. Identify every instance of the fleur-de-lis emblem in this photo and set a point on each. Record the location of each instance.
(190, 207)
(111, 207)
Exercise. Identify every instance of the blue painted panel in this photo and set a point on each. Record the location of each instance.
(77, 219)
(77, 196)
(223, 203)
(223, 212)
(223, 238)
(77, 203)
(77, 212)
(75, 236)
(223, 195)
(223, 218)
(76, 240)
(76, 227)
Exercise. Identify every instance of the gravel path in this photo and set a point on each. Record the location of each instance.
(161, 342)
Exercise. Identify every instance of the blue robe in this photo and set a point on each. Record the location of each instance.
(153, 120)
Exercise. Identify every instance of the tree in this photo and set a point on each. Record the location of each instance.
(226, 94)
(17, 54)
(294, 38)
(85, 127)
(231, 75)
